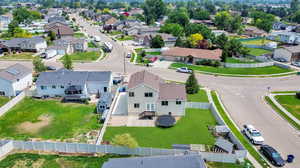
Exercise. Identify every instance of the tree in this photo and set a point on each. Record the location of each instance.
(38, 64)
(172, 28)
(157, 42)
(201, 14)
(153, 10)
(22, 15)
(224, 20)
(199, 28)
(263, 20)
(295, 5)
(180, 17)
(225, 53)
(194, 39)
(52, 35)
(67, 62)
(125, 140)
(191, 84)
(35, 15)
(21, 33)
(179, 42)
(221, 40)
(11, 27)
(296, 17)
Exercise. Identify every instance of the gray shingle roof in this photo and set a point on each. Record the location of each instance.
(224, 144)
(183, 161)
(15, 72)
(66, 77)
(15, 42)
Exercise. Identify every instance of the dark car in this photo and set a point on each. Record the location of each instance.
(51, 68)
(272, 155)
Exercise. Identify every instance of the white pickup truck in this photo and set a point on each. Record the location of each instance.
(253, 135)
(184, 70)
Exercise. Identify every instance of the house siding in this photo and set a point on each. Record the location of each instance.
(175, 109)
(12, 88)
(57, 91)
(283, 53)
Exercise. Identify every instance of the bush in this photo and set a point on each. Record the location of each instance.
(298, 95)
(208, 63)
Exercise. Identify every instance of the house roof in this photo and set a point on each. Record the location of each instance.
(68, 77)
(197, 53)
(224, 144)
(70, 40)
(145, 77)
(165, 36)
(293, 49)
(170, 161)
(15, 72)
(15, 42)
(172, 90)
(111, 21)
(59, 28)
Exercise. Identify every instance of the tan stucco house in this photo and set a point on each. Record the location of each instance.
(148, 94)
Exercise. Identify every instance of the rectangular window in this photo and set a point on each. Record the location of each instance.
(148, 94)
(53, 86)
(136, 105)
(2, 93)
(105, 89)
(44, 87)
(164, 103)
(131, 94)
(178, 102)
(62, 86)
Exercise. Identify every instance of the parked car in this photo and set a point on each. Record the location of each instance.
(153, 59)
(272, 155)
(51, 68)
(97, 38)
(297, 64)
(280, 59)
(253, 135)
(128, 55)
(184, 70)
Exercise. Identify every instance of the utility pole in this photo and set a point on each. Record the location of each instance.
(124, 66)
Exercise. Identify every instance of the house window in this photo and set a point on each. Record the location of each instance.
(44, 87)
(105, 89)
(148, 94)
(2, 93)
(178, 102)
(131, 94)
(62, 86)
(53, 87)
(136, 105)
(164, 103)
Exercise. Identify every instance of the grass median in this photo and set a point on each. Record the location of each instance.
(201, 96)
(237, 133)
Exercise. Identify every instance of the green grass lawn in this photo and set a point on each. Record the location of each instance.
(92, 45)
(256, 42)
(84, 56)
(290, 103)
(47, 119)
(234, 71)
(237, 132)
(237, 61)
(79, 35)
(30, 160)
(113, 33)
(21, 56)
(227, 165)
(3, 100)
(125, 38)
(191, 129)
(258, 51)
(153, 53)
(201, 96)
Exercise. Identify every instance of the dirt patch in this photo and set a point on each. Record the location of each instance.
(29, 163)
(29, 127)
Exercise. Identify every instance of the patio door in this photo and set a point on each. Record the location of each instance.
(150, 107)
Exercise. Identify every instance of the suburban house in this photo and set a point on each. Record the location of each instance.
(56, 18)
(285, 37)
(34, 44)
(191, 55)
(148, 93)
(252, 31)
(77, 44)
(4, 21)
(14, 79)
(61, 49)
(75, 84)
(60, 29)
(141, 30)
(288, 53)
(145, 39)
(279, 26)
(168, 161)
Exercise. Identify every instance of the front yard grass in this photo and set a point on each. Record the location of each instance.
(190, 129)
(92, 45)
(201, 96)
(84, 56)
(79, 35)
(125, 38)
(31, 160)
(234, 71)
(3, 100)
(258, 51)
(227, 165)
(237, 132)
(237, 61)
(290, 103)
(47, 119)
(20, 56)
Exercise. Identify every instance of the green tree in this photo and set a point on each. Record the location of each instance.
(296, 17)
(201, 14)
(38, 64)
(35, 15)
(193, 28)
(263, 20)
(153, 10)
(191, 84)
(52, 35)
(172, 28)
(225, 21)
(67, 62)
(22, 15)
(179, 42)
(180, 17)
(11, 27)
(221, 40)
(295, 5)
(125, 140)
(157, 42)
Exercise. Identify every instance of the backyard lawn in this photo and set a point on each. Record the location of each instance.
(255, 41)
(85, 56)
(238, 61)
(30, 160)
(234, 71)
(92, 45)
(79, 35)
(258, 51)
(47, 119)
(125, 38)
(191, 129)
(201, 96)
(20, 56)
(3, 100)
(290, 103)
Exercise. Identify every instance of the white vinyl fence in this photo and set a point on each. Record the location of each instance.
(256, 65)
(198, 105)
(5, 148)
(11, 103)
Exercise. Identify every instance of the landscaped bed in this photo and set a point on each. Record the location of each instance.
(234, 71)
(85, 56)
(190, 129)
(290, 103)
(30, 160)
(258, 51)
(201, 96)
(20, 56)
(48, 119)
(3, 100)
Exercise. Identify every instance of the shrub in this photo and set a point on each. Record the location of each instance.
(191, 84)
(298, 95)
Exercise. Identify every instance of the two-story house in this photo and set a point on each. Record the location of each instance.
(77, 44)
(65, 82)
(285, 37)
(150, 93)
(34, 44)
(14, 79)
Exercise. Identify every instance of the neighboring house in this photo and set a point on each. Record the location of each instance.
(62, 49)
(56, 18)
(60, 29)
(4, 21)
(168, 161)
(79, 84)
(150, 93)
(285, 37)
(224, 145)
(109, 21)
(252, 31)
(206, 22)
(136, 11)
(141, 30)
(14, 79)
(77, 44)
(145, 39)
(279, 26)
(288, 53)
(34, 44)
(191, 55)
